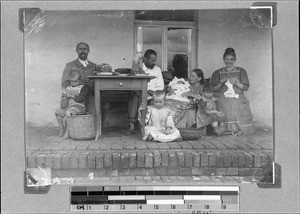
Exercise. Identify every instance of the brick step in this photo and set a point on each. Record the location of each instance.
(162, 171)
(135, 143)
(156, 162)
(63, 177)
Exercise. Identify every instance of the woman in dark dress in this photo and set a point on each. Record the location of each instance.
(233, 103)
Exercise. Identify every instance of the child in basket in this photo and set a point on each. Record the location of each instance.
(207, 112)
(159, 124)
(72, 101)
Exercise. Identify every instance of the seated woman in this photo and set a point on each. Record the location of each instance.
(185, 111)
(230, 83)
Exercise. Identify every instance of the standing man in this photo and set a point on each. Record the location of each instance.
(86, 68)
(150, 58)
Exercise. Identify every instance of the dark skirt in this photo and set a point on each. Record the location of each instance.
(204, 119)
(237, 112)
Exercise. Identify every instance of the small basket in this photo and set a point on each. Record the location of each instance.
(192, 133)
(82, 127)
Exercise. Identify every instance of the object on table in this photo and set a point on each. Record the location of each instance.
(104, 69)
(137, 65)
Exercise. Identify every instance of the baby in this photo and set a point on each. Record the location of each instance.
(159, 124)
(72, 101)
(178, 87)
(207, 112)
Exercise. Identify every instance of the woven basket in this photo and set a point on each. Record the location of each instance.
(82, 127)
(192, 133)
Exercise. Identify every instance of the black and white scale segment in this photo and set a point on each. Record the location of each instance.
(139, 199)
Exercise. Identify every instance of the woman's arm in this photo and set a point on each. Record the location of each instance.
(216, 82)
(217, 87)
(244, 81)
(189, 95)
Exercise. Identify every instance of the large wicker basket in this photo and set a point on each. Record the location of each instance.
(82, 127)
(192, 133)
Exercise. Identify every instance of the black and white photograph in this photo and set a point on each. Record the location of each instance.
(149, 106)
(151, 95)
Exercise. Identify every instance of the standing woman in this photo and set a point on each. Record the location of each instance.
(233, 103)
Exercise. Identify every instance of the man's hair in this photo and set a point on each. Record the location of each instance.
(82, 43)
(75, 73)
(159, 93)
(150, 52)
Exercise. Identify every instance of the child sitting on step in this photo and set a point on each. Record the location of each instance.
(159, 124)
(72, 101)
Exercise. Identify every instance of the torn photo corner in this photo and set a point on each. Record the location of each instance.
(38, 176)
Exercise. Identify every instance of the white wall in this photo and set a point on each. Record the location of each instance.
(48, 49)
(110, 35)
(219, 29)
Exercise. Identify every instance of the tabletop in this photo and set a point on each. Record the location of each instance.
(120, 77)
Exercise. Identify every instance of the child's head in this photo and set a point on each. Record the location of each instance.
(208, 90)
(159, 98)
(74, 78)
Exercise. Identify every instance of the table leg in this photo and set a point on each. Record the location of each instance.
(144, 101)
(98, 109)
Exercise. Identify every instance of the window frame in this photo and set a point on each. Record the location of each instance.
(192, 61)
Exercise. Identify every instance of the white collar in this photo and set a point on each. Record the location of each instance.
(145, 68)
(84, 63)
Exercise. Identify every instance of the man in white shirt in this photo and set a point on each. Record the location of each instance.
(150, 58)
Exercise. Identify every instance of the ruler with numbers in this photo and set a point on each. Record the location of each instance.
(138, 199)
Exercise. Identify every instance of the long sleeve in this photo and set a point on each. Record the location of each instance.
(170, 121)
(244, 79)
(84, 92)
(65, 76)
(201, 106)
(215, 79)
(148, 114)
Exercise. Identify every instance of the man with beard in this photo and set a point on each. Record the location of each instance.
(149, 67)
(86, 68)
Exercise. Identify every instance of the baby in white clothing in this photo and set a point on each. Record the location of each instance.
(178, 87)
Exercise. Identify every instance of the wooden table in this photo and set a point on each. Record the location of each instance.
(119, 83)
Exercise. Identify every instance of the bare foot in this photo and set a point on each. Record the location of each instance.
(61, 133)
(66, 136)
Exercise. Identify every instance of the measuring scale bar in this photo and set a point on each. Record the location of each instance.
(186, 199)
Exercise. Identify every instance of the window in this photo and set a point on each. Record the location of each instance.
(174, 42)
